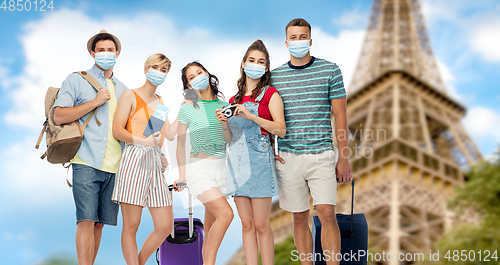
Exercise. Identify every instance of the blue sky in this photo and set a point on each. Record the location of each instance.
(39, 49)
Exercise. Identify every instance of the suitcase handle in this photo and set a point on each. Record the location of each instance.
(186, 224)
(352, 208)
(171, 187)
(350, 234)
(190, 223)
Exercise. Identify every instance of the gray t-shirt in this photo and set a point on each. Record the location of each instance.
(307, 92)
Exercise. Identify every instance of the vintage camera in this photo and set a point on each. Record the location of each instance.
(229, 110)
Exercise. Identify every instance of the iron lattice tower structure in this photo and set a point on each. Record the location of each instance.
(396, 39)
(408, 146)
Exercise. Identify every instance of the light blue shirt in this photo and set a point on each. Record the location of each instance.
(75, 91)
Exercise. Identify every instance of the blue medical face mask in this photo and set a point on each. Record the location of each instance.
(105, 60)
(298, 48)
(156, 77)
(200, 82)
(254, 71)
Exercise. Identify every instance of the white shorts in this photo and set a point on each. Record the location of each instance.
(204, 174)
(302, 173)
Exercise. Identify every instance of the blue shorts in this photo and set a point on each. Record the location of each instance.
(92, 190)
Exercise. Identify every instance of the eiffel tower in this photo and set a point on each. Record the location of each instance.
(407, 145)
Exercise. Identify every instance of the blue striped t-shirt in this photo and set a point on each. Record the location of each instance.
(307, 92)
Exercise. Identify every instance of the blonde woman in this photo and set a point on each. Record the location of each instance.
(141, 122)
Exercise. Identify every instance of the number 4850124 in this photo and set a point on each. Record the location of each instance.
(27, 5)
(470, 255)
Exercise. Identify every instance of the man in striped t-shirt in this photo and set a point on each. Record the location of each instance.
(311, 89)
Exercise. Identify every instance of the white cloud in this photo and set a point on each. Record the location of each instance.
(485, 38)
(477, 20)
(5, 79)
(343, 49)
(448, 79)
(446, 74)
(482, 123)
(31, 182)
(352, 19)
(438, 10)
(457, 11)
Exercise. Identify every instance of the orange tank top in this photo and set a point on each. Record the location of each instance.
(145, 120)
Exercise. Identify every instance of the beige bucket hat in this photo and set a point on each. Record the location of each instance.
(117, 41)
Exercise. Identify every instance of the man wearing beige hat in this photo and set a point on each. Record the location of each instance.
(95, 164)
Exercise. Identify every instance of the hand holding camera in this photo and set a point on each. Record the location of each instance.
(219, 115)
(232, 110)
(242, 111)
(229, 110)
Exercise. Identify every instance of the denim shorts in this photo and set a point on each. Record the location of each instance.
(92, 190)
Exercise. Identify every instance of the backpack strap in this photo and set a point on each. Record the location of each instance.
(91, 80)
(44, 129)
(89, 118)
(97, 86)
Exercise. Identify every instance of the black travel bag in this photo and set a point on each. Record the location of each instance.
(354, 238)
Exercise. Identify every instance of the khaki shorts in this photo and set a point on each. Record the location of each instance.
(302, 173)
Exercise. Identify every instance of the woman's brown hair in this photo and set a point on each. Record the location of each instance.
(265, 80)
(190, 94)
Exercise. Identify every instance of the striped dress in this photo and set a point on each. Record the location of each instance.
(307, 92)
(139, 180)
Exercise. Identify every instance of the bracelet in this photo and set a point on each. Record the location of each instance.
(225, 128)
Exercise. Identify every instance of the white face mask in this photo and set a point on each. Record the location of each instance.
(298, 48)
(254, 71)
(200, 82)
(155, 77)
(105, 60)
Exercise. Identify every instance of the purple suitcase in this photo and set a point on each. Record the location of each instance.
(183, 246)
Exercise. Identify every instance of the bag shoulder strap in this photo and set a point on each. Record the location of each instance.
(97, 86)
(44, 129)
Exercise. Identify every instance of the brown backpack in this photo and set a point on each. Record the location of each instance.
(64, 141)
